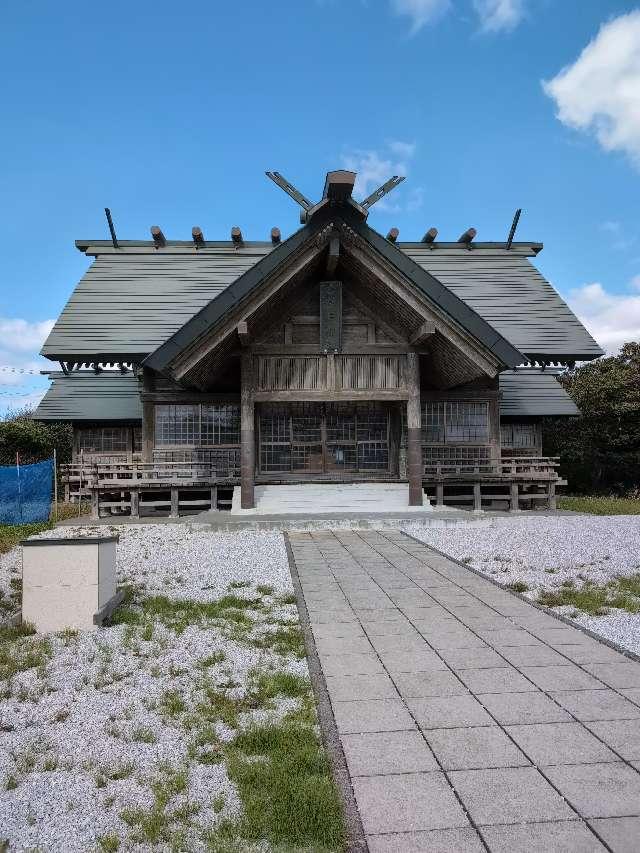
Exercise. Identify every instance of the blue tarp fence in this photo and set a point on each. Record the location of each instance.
(25, 492)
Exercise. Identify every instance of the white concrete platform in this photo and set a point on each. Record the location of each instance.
(318, 498)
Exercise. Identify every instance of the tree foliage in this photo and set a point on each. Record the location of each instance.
(600, 450)
(33, 440)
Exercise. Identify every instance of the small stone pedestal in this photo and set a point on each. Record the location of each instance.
(69, 583)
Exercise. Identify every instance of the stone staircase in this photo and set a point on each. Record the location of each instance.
(323, 498)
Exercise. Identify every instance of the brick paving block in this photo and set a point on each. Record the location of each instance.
(345, 688)
(343, 645)
(521, 708)
(454, 640)
(621, 735)
(560, 743)
(372, 715)
(399, 642)
(624, 674)
(445, 712)
(460, 659)
(632, 693)
(474, 748)
(598, 790)
(422, 685)
(622, 834)
(407, 661)
(346, 664)
(385, 628)
(592, 652)
(406, 803)
(435, 841)
(511, 795)
(384, 753)
(590, 705)
(562, 635)
(563, 837)
(554, 678)
(533, 656)
(509, 637)
(499, 680)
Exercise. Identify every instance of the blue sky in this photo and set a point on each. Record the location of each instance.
(170, 114)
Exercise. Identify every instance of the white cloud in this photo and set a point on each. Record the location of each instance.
(20, 381)
(421, 12)
(600, 92)
(20, 335)
(499, 15)
(373, 168)
(612, 318)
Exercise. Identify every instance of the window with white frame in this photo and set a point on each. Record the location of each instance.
(197, 425)
(455, 422)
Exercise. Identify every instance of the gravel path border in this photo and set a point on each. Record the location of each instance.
(356, 841)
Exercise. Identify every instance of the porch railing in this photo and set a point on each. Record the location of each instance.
(507, 468)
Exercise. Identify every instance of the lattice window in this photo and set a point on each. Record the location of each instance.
(137, 439)
(455, 422)
(518, 434)
(220, 424)
(195, 425)
(103, 439)
(455, 455)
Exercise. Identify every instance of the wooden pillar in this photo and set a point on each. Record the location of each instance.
(135, 503)
(175, 502)
(477, 497)
(414, 430)
(214, 498)
(95, 502)
(247, 433)
(552, 496)
(439, 494)
(515, 502)
(148, 429)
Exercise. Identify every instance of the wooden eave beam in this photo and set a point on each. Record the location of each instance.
(333, 255)
(243, 333)
(422, 334)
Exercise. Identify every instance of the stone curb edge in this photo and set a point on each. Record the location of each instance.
(356, 841)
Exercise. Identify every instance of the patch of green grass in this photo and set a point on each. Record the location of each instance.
(286, 598)
(621, 593)
(211, 660)
(265, 589)
(109, 843)
(172, 703)
(11, 534)
(286, 640)
(239, 584)
(143, 734)
(158, 824)
(518, 586)
(19, 650)
(601, 505)
(284, 782)
(179, 614)
(268, 685)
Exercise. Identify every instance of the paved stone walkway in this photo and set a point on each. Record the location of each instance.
(470, 720)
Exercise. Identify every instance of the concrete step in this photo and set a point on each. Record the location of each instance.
(320, 498)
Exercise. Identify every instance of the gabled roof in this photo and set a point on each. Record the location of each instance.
(330, 219)
(133, 299)
(108, 396)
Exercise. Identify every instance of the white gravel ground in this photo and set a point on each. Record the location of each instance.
(92, 708)
(543, 552)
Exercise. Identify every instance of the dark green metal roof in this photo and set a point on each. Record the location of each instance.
(132, 300)
(533, 392)
(107, 396)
